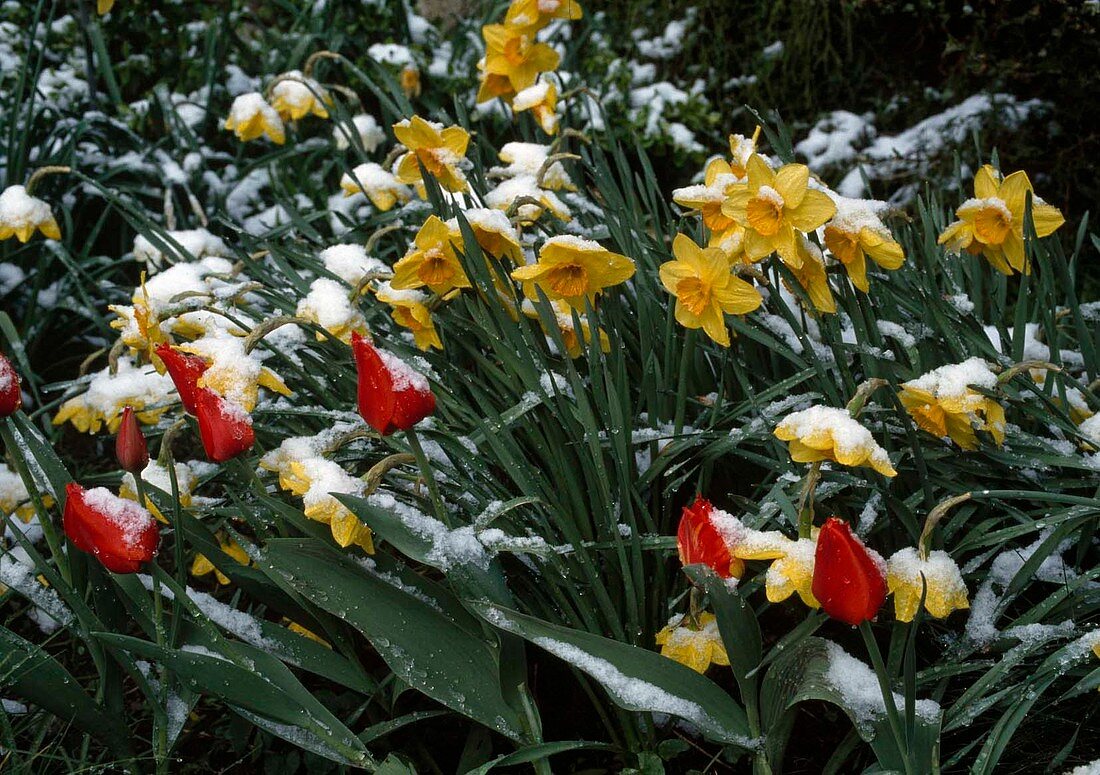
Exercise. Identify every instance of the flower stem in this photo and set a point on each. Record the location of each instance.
(806, 500)
(933, 518)
(887, 694)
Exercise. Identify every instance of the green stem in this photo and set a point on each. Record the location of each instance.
(429, 478)
(887, 694)
(806, 500)
(681, 388)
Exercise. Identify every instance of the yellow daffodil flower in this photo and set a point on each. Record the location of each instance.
(773, 206)
(537, 14)
(907, 574)
(159, 477)
(148, 392)
(811, 275)
(575, 269)
(575, 343)
(410, 81)
(22, 214)
(202, 566)
(438, 150)
(992, 223)
(380, 186)
(494, 233)
(831, 433)
(139, 326)
(493, 85)
(432, 260)
(409, 310)
(942, 403)
(705, 289)
(328, 305)
(542, 100)
(857, 232)
(792, 568)
(299, 478)
(104, 6)
(719, 182)
(250, 117)
(514, 52)
(696, 644)
(294, 97)
(14, 498)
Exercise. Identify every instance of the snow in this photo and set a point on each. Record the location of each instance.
(769, 194)
(366, 127)
(834, 139)
(404, 376)
(391, 54)
(195, 244)
(848, 435)
(18, 209)
(953, 381)
(328, 305)
(531, 96)
(859, 688)
(1090, 429)
(246, 106)
(449, 548)
(18, 571)
(351, 263)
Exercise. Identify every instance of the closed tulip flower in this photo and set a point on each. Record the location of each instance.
(225, 428)
(185, 371)
(849, 579)
(130, 447)
(704, 537)
(392, 396)
(10, 396)
(120, 533)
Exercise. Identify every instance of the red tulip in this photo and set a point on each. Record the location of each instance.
(848, 581)
(119, 532)
(391, 395)
(700, 541)
(225, 428)
(185, 370)
(11, 398)
(130, 448)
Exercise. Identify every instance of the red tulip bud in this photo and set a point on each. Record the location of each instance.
(225, 428)
(11, 398)
(185, 370)
(392, 396)
(130, 448)
(699, 540)
(849, 580)
(119, 532)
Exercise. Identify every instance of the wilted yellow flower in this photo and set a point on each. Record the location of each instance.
(139, 325)
(314, 480)
(159, 477)
(294, 96)
(250, 117)
(705, 289)
(943, 402)
(575, 343)
(410, 81)
(202, 566)
(21, 214)
(432, 260)
(575, 269)
(523, 196)
(102, 402)
(382, 187)
(811, 275)
(409, 310)
(539, 13)
(514, 52)
(542, 100)
(831, 433)
(907, 575)
(696, 644)
(438, 150)
(773, 206)
(857, 232)
(992, 223)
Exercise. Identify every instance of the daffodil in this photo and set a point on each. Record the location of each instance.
(719, 182)
(936, 577)
(494, 233)
(14, 498)
(705, 289)
(537, 14)
(542, 100)
(831, 433)
(773, 206)
(513, 52)
(857, 232)
(139, 326)
(250, 117)
(493, 85)
(231, 372)
(329, 306)
(409, 310)
(575, 269)
(314, 480)
(382, 187)
(22, 214)
(528, 160)
(440, 151)
(792, 568)
(810, 274)
(527, 199)
(104, 6)
(432, 260)
(992, 223)
(410, 81)
(108, 393)
(575, 341)
(696, 644)
(158, 476)
(202, 566)
(943, 403)
(294, 97)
